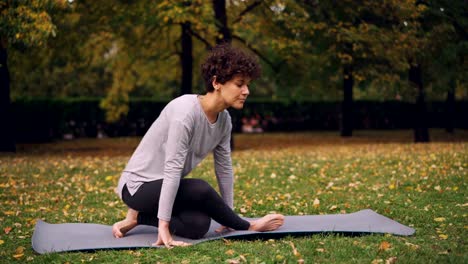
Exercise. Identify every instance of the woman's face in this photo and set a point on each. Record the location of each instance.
(234, 92)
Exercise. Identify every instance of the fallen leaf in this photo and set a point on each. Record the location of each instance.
(443, 236)
(1, 242)
(391, 260)
(412, 246)
(439, 219)
(7, 229)
(316, 202)
(19, 252)
(18, 256)
(230, 252)
(295, 252)
(320, 249)
(333, 207)
(385, 246)
(233, 261)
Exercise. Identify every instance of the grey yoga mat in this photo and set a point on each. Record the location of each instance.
(84, 237)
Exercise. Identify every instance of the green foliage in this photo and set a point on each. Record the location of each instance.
(122, 49)
(28, 23)
(444, 52)
(371, 37)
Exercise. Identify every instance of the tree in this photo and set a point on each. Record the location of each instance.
(180, 20)
(445, 23)
(436, 57)
(177, 21)
(22, 25)
(224, 32)
(367, 42)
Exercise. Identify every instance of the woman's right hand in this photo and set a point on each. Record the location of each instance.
(165, 237)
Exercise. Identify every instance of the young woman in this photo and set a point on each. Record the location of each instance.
(187, 130)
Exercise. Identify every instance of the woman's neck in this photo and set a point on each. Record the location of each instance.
(212, 105)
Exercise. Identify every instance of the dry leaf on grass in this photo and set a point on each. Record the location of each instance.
(19, 252)
(7, 229)
(316, 202)
(384, 246)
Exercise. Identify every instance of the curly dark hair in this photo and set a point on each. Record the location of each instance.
(225, 61)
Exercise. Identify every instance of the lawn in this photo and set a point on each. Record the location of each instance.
(419, 185)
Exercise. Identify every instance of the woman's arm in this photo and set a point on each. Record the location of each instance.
(223, 169)
(177, 146)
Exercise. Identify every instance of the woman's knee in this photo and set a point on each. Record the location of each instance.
(197, 188)
(200, 229)
(196, 224)
(200, 184)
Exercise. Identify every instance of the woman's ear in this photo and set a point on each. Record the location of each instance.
(215, 83)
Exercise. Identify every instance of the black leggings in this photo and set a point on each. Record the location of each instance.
(195, 204)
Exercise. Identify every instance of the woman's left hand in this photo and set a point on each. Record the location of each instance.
(165, 237)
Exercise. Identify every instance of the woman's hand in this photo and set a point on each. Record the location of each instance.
(223, 229)
(165, 237)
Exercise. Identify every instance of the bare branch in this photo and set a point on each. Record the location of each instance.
(259, 54)
(195, 34)
(246, 10)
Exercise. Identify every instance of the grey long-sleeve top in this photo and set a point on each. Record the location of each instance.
(179, 139)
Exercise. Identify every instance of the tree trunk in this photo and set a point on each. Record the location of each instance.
(7, 140)
(421, 128)
(224, 33)
(224, 36)
(186, 59)
(450, 108)
(347, 104)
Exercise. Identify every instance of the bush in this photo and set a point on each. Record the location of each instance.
(40, 120)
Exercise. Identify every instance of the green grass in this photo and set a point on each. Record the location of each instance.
(420, 185)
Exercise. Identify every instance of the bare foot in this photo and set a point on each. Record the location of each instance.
(269, 222)
(119, 229)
